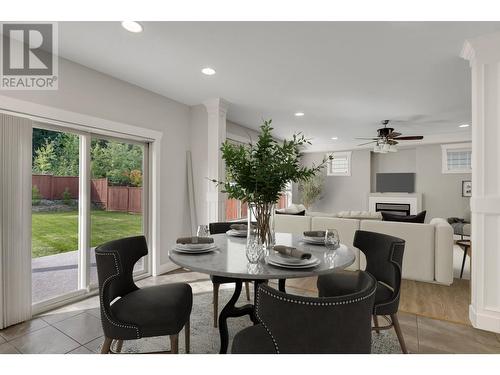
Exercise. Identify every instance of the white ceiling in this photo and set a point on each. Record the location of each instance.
(345, 76)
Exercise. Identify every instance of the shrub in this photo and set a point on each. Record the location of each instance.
(36, 197)
(66, 197)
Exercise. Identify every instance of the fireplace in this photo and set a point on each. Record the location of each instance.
(402, 209)
(396, 203)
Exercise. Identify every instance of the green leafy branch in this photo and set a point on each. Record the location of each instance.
(259, 172)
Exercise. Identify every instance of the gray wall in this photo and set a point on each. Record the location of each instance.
(342, 193)
(403, 161)
(442, 193)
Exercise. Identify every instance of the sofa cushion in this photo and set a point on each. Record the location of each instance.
(320, 214)
(418, 218)
(419, 253)
(360, 215)
(292, 224)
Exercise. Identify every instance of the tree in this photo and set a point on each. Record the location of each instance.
(45, 158)
(67, 150)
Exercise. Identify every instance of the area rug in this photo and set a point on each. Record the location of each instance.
(205, 338)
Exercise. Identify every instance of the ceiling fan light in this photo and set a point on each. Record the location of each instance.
(386, 147)
(393, 148)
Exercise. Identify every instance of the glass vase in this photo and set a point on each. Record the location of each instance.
(261, 224)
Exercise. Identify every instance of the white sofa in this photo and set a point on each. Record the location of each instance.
(428, 252)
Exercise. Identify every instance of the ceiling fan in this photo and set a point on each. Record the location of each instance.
(387, 139)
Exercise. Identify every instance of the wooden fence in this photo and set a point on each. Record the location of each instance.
(111, 198)
(236, 210)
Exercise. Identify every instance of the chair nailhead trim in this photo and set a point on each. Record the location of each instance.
(264, 324)
(101, 297)
(311, 303)
(299, 302)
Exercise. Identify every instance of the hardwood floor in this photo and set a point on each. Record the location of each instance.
(450, 303)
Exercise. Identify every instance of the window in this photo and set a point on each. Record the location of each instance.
(340, 165)
(457, 158)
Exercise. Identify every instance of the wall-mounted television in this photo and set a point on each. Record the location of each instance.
(395, 183)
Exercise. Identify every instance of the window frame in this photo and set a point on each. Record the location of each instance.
(445, 148)
(342, 154)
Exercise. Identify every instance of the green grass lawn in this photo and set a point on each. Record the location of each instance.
(57, 232)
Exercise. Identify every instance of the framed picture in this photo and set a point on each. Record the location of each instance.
(466, 188)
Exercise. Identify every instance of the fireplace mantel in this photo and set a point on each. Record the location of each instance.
(413, 199)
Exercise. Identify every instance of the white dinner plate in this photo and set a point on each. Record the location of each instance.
(294, 266)
(285, 259)
(195, 246)
(194, 251)
(289, 261)
(236, 233)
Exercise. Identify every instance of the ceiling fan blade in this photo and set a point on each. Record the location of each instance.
(394, 135)
(410, 138)
(373, 139)
(367, 143)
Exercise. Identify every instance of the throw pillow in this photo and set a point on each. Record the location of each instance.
(418, 218)
(300, 213)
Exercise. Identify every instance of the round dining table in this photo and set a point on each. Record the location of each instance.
(229, 260)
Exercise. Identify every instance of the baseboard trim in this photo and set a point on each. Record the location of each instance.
(166, 267)
(485, 320)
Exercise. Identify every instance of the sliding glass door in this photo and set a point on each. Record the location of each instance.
(117, 194)
(55, 219)
(86, 190)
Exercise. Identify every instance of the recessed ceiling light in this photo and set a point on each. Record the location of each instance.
(132, 26)
(464, 126)
(335, 138)
(299, 114)
(208, 71)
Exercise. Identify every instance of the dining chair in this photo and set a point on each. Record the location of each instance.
(289, 324)
(129, 312)
(384, 260)
(217, 281)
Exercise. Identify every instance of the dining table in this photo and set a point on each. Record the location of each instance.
(229, 259)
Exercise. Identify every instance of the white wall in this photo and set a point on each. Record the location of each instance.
(85, 91)
(199, 152)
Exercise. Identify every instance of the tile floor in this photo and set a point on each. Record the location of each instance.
(76, 328)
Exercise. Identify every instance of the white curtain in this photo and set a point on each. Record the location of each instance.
(15, 219)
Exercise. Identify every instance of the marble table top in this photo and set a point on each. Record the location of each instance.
(229, 259)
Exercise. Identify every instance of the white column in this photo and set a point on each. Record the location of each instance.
(483, 54)
(216, 124)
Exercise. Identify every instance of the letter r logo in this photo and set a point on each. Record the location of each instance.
(27, 49)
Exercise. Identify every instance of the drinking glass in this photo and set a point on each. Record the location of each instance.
(203, 231)
(332, 240)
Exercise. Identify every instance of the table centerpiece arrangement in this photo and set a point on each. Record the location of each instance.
(257, 173)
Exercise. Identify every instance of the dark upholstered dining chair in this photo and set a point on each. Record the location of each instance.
(290, 324)
(218, 228)
(129, 312)
(384, 260)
